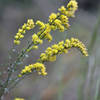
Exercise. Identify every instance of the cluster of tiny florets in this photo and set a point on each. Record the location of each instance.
(78, 44)
(45, 30)
(21, 31)
(56, 49)
(70, 9)
(36, 40)
(39, 67)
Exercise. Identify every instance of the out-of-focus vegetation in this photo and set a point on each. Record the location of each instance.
(23, 2)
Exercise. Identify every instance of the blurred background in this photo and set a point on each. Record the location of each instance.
(72, 76)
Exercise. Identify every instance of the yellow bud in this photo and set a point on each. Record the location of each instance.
(34, 47)
(17, 42)
(19, 75)
(16, 37)
(21, 36)
(20, 30)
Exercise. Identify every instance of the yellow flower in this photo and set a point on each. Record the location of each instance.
(36, 39)
(41, 24)
(17, 42)
(80, 45)
(59, 25)
(52, 17)
(62, 9)
(46, 33)
(30, 24)
(72, 5)
(39, 67)
(43, 57)
(48, 36)
(56, 21)
(27, 26)
(56, 49)
(51, 53)
(70, 9)
(64, 19)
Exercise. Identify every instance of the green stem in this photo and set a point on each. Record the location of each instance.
(94, 36)
(97, 90)
(90, 49)
(13, 66)
(91, 46)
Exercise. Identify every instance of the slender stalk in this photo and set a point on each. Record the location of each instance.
(89, 71)
(91, 46)
(13, 66)
(97, 89)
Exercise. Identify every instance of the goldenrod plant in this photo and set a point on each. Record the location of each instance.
(57, 21)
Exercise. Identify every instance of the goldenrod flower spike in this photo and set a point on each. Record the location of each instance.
(70, 9)
(36, 40)
(21, 31)
(80, 45)
(39, 67)
(56, 49)
(72, 5)
(19, 99)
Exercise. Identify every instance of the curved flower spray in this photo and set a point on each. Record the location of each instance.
(57, 21)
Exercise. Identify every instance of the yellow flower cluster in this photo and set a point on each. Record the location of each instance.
(21, 31)
(70, 9)
(45, 30)
(41, 24)
(39, 67)
(60, 20)
(61, 47)
(51, 52)
(78, 44)
(36, 40)
(19, 99)
(52, 17)
(57, 21)
(53, 24)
